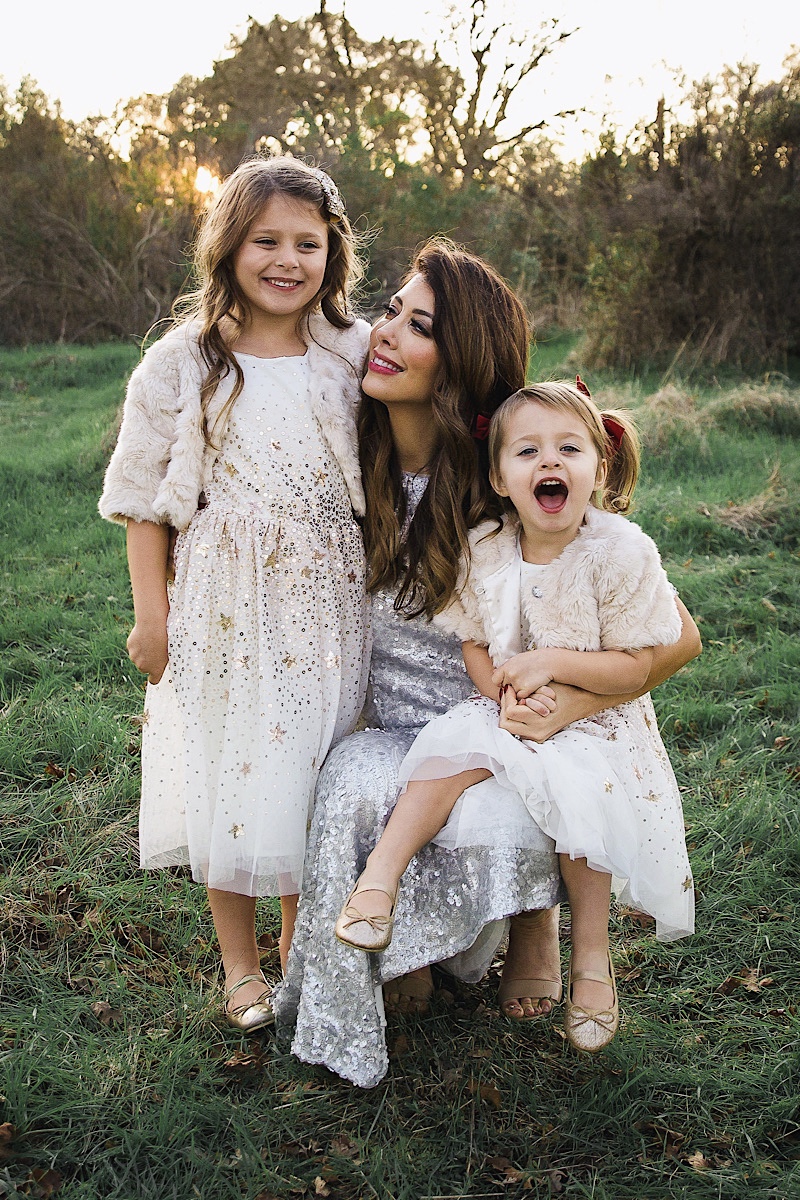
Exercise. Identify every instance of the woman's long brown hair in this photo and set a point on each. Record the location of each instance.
(482, 334)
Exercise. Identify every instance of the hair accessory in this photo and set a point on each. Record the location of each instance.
(615, 431)
(480, 428)
(333, 197)
(582, 388)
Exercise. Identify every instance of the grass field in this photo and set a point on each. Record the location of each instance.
(119, 1079)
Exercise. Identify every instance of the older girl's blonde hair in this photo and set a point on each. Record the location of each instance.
(622, 461)
(218, 303)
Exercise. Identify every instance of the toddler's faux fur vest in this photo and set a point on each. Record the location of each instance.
(162, 462)
(606, 590)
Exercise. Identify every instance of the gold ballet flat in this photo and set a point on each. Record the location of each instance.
(588, 1029)
(361, 931)
(249, 1017)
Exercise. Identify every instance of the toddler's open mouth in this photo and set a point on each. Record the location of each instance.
(551, 495)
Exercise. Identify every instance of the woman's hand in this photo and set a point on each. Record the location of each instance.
(524, 718)
(147, 649)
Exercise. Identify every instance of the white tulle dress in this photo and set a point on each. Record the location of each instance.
(268, 650)
(603, 789)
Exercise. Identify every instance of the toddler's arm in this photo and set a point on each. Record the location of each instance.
(607, 672)
(148, 553)
(480, 668)
(574, 704)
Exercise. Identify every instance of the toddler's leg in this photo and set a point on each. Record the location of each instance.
(417, 817)
(288, 918)
(589, 901)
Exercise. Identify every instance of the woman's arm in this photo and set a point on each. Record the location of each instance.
(574, 704)
(148, 552)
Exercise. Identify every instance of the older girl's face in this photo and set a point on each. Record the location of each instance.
(404, 360)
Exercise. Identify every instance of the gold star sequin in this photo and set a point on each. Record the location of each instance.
(243, 660)
(246, 768)
(275, 445)
(637, 773)
(145, 717)
(608, 786)
(230, 469)
(320, 476)
(687, 883)
(225, 622)
(647, 721)
(332, 660)
(203, 550)
(351, 577)
(236, 830)
(306, 572)
(653, 797)
(317, 556)
(288, 660)
(276, 734)
(272, 559)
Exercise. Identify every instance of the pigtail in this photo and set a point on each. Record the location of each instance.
(623, 456)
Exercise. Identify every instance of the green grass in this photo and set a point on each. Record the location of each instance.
(697, 1097)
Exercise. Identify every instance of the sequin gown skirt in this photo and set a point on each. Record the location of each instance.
(267, 649)
(452, 902)
(603, 789)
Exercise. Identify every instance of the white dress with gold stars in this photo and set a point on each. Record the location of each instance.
(603, 788)
(267, 648)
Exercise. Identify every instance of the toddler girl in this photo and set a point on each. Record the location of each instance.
(578, 587)
(239, 431)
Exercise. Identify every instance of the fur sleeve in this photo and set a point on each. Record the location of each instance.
(636, 600)
(149, 428)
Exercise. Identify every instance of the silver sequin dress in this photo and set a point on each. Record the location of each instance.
(452, 902)
(267, 648)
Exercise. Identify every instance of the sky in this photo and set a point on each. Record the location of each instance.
(623, 55)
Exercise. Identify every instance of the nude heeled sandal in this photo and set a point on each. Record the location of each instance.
(538, 989)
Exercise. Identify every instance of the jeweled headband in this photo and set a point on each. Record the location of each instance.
(333, 198)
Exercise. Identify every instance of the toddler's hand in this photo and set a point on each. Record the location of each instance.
(147, 650)
(526, 673)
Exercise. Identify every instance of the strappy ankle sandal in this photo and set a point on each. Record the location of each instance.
(591, 1029)
(362, 931)
(541, 988)
(418, 989)
(249, 1017)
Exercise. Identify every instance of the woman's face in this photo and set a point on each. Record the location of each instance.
(404, 360)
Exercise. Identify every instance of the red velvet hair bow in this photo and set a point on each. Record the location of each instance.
(480, 428)
(614, 429)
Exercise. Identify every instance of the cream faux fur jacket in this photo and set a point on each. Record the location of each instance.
(607, 590)
(162, 462)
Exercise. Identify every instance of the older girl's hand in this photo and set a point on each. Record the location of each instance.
(147, 649)
(521, 718)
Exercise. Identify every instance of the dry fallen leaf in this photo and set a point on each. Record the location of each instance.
(105, 1014)
(698, 1161)
(780, 742)
(46, 1182)
(343, 1147)
(486, 1091)
(320, 1187)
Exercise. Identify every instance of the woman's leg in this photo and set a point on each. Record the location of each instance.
(419, 814)
(533, 956)
(589, 901)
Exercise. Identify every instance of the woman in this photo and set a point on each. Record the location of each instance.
(451, 346)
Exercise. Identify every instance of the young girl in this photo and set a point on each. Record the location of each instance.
(566, 576)
(247, 410)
